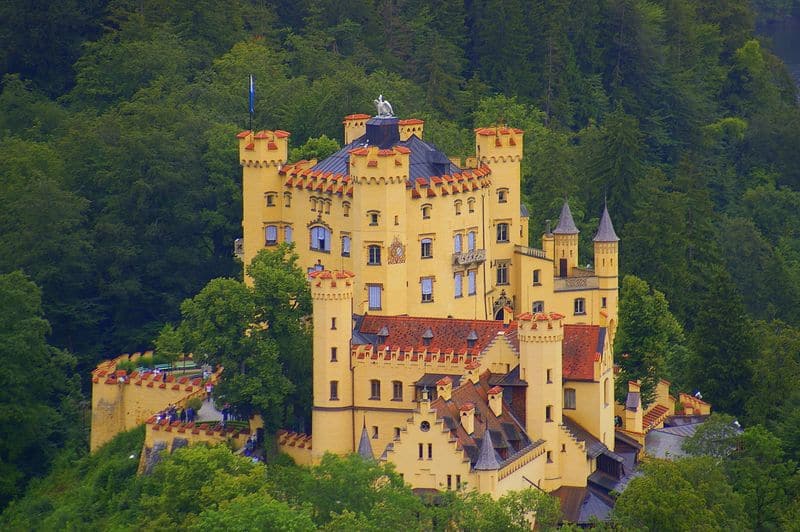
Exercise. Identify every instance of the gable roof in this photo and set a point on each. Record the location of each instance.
(506, 437)
(447, 333)
(582, 346)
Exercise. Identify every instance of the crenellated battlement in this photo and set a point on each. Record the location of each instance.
(331, 285)
(419, 356)
(263, 148)
(541, 327)
(499, 144)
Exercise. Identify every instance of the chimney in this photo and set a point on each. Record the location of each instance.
(633, 408)
(444, 388)
(472, 371)
(508, 315)
(496, 400)
(468, 417)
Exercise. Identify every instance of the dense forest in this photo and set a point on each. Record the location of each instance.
(120, 195)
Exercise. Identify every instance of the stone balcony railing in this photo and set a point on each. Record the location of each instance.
(563, 284)
(466, 258)
(530, 252)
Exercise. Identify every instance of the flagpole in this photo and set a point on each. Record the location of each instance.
(252, 100)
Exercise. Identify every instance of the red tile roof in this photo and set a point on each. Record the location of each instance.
(583, 345)
(448, 333)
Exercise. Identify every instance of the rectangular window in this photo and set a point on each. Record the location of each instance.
(397, 433)
(430, 451)
(458, 482)
(345, 246)
(603, 302)
(548, 413)
(580, 306)
(549, 457)
(374, 255)
(373, 218)
(457, 244)
(426, 248)
(287, 199)
(502, 273)
(569, 398)
(333, 354)
(471, 282)
(287, 234)
(502, 232)
(449, 482)
(549, 375)
(374, 296)
(374, 432)
(427, 290)
(538, 306)
(459, 281)
(270, 200)
(334, 390)
(471, 241)
(375, 389)
(271, 235)
(502, 196)
(320, 239)
(397, 391)
(420, 448)
(333, 324)
(536, 277)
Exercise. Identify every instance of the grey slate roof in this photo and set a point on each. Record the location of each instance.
(594, 447)
(605, 231)
(364, 445)
(633, 401)
(487, 457)
(566, 224)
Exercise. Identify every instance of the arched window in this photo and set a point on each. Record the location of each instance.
(457, 205)
(374, 253)
(287, 199)
(606, 392)
(426, 211)
(471, 204)
(271, 234)
(502, 195)
(313, 202)
(327, 206)
(457, 243)
(320, 239)
(287, 234)
(346, 209)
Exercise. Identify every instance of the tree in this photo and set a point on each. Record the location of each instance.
(716, 437)
(315, 148)
(696, 486)
(647, 334)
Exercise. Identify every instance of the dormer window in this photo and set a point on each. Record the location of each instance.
(383, 334)
(472, 338)
(427, 336)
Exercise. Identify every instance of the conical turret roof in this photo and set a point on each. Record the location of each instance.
(364, 445)
(487, 457)
(566, 224)
(605, 231)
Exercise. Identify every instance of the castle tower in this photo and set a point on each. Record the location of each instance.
(332, 414)
(501, 149)
(606, 267)
(379, 173)
(354, 127)
(565, 237)
(261, 155)
(540, 363)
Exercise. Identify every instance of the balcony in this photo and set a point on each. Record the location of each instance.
(468, 258)
(530, 252)
(564, 284)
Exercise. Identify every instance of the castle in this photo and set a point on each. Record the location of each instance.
(456, 352)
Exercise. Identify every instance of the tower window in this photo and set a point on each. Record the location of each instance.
(397, 433)
(569, 398)
(287, 199)
(374, 291)
(603, 302)
(471, 282)
(345, 245)
(457, 243)
(346, 209)
(457, 205)
(270, 199)
(374, 255)
(537, 277)
(328, 207)
(426, 245)
(426, 212)
(449, 482)
(427, 289)
(373, 217)
(502, 273)
(419, 450)
(333, 355)
(549, 457)
(580, 306)
(375, 389)
(288, 234)
(430, 451)
(374, 432)
(333, 324)
(502, 232)
(334, 390)
(538, 306)
(548, 413)
(320, 239)
(397, 391)
(471, 204)
(271, 234)
(549, 376)
(458, 279)
(502, 195)
(313, 202)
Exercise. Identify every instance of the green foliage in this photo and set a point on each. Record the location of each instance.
(716, 437)
(648, 338)
(315, 148)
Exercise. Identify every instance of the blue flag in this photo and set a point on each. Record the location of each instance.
(252, 96)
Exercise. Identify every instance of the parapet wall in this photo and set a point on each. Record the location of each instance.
(121, 401)
(295, 444)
